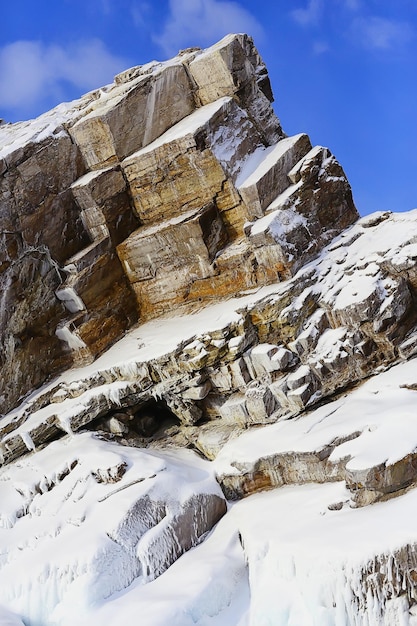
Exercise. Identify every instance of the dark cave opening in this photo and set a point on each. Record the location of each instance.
(147, 421)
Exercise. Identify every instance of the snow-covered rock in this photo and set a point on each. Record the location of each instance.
(272, 361)
(83, 518)
(127, 203)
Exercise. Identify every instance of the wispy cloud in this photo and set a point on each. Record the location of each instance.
(140, 12)
(31, 72)
(379, 33)
(352, 5)
(310, 14)
(320, 47)
(202, 22)
(370, 32)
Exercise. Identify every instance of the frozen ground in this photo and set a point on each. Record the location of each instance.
(280, 558)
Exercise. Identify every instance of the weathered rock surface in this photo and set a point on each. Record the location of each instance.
(134, 200)
(181, 274)
(267, 357)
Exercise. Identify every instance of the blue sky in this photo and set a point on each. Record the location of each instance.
(344, 71)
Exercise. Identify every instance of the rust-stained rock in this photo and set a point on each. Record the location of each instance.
(179, 183)
(188, 166)
(109, 305)
(162, 261)
(138, 200)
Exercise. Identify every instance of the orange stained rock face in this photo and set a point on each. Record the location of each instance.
(167, 188)
(172, 188)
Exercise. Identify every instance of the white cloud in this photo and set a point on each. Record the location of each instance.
(203, 22)
(310, 15)
(379, 33)
(31, 72)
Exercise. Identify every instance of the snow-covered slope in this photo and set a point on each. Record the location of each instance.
(207, 365)
(87, 524)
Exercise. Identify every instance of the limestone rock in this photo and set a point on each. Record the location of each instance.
(161, 262)
(269, 358)
(233, 66)
(177, 273)
(227, 377)
(103, 197)
(260, 402)
(189, 166)
(139, 198)
(201, 204)
(133, 114)
(261, 185)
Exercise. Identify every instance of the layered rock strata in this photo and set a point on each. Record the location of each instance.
(207, 376)
(143, 196)
(189, 275)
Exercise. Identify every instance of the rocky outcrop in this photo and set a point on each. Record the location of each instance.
(141, 197)
(175, 273)
(203, 379)
(268, 357)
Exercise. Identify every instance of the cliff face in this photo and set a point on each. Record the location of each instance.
(140, 197)
(179, 273)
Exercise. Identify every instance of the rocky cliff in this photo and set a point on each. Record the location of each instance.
(141, 197)
(189, 308)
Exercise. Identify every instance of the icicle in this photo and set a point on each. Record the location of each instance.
(70, 299)
(2, 451)
(27, 440)
(113, 395)
(74, 342)
(129, 370)
(64, 422)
